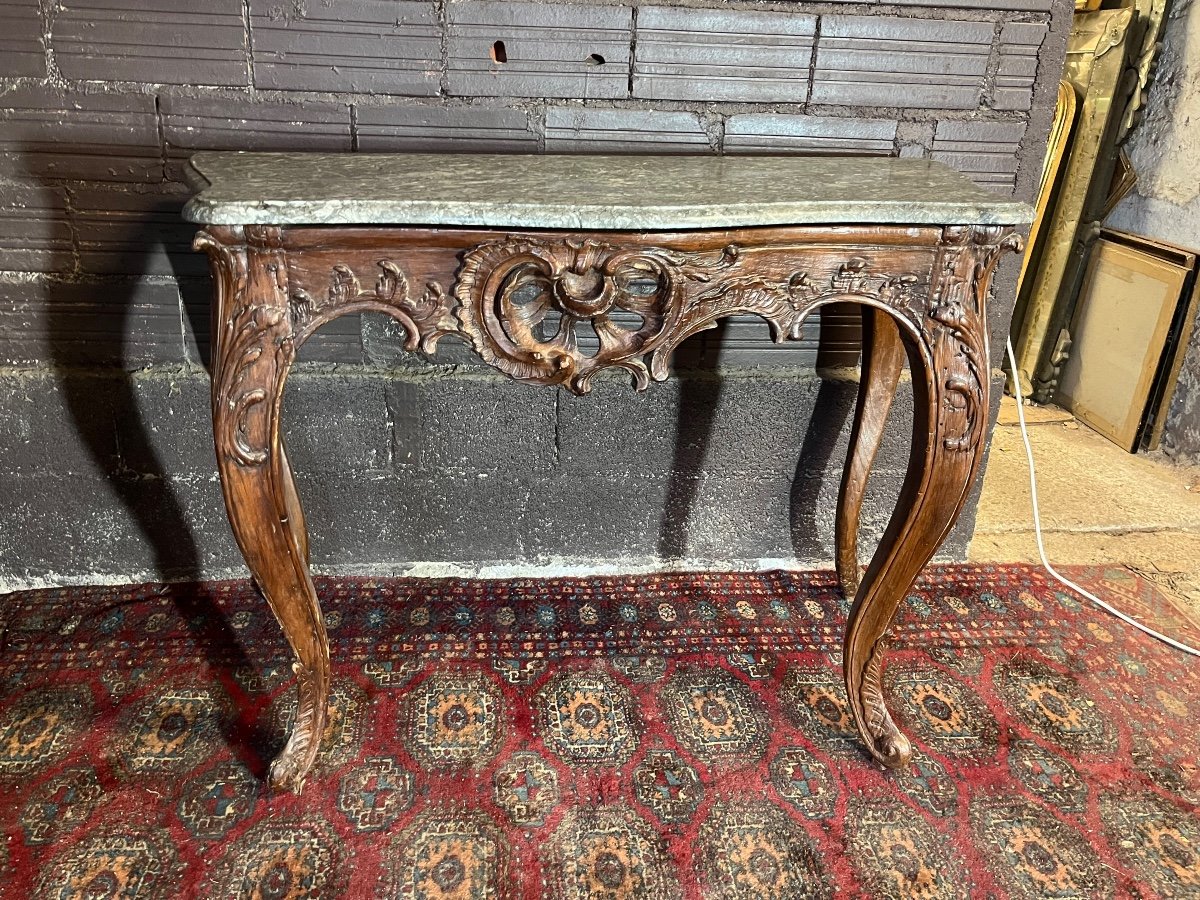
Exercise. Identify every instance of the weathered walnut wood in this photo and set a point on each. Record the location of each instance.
(922, 289)
(948, 357)
(254, 344)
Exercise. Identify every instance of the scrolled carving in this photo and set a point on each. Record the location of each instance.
(959, 334)
(343, 286)
(511, 293)
(425, 318)
(290, 769)
(785, 302)
(887, 741)
(641, 301)
(254, 342)
(258, 341)
(854, 277)
(431, 315)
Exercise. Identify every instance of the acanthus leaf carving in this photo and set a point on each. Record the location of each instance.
(255, 340)
(959, 334)
(786, 301)
(392, 285)
(887, 741)
(343, 286)
(432, 315)
(425, 318)
(524, 304)
(259, 338)
(290, 769)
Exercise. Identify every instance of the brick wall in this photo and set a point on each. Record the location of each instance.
(103, 308)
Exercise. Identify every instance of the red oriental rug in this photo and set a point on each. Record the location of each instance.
(648, 736)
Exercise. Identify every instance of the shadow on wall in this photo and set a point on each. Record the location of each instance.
(699, 400)
(85, 333)
(86, 328)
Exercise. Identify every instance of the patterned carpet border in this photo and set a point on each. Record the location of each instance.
(659, 736)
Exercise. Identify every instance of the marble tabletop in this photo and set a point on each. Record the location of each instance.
(585, 192)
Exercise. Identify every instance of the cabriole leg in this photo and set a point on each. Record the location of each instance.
(253, 350)
(882, 362)
(948, 363)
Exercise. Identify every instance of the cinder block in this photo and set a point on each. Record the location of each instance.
(773, 424)
(984, 151)
(709, 517)
(773, 133)
(126, 323)
(163, 422)
(438, 129)
(35, 235)
(914, 138)
(840, 336)
(742, 342)
(134, 231)
(405, 407)
(508, 48)
(337, 421)
(669, 515)
(713, 54)
(21, 51)
(393, 520)
(337, 341)
(615, 431)
(813, 503)
(365, 46)
(698, 425)
(594, 516)
(196, 297)
(46, 133)
(1020, 43)
(479, 425)
(131, 527)
(58, 423)
(223, 123)
(171, 43)
(586, 130)
(383, 346)
(887, 61)
(31, 527)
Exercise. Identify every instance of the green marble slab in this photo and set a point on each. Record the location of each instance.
(603, 193)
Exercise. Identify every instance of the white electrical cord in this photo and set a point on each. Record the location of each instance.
(1037, 525)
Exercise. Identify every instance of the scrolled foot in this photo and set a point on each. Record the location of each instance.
(882, 738)
(891, 747)
(291, 767)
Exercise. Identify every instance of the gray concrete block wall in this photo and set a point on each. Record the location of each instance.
(510, 48)
(985, 151)
(1015, 74)
(104, 308)
(169, 43)
(574, 129)
(21, 54)
(871, 60)
(776, 133)
(740, 55)
(360, 46)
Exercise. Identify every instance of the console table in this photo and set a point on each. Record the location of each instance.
(515, 255)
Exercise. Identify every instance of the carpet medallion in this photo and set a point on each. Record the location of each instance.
(655, 736)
